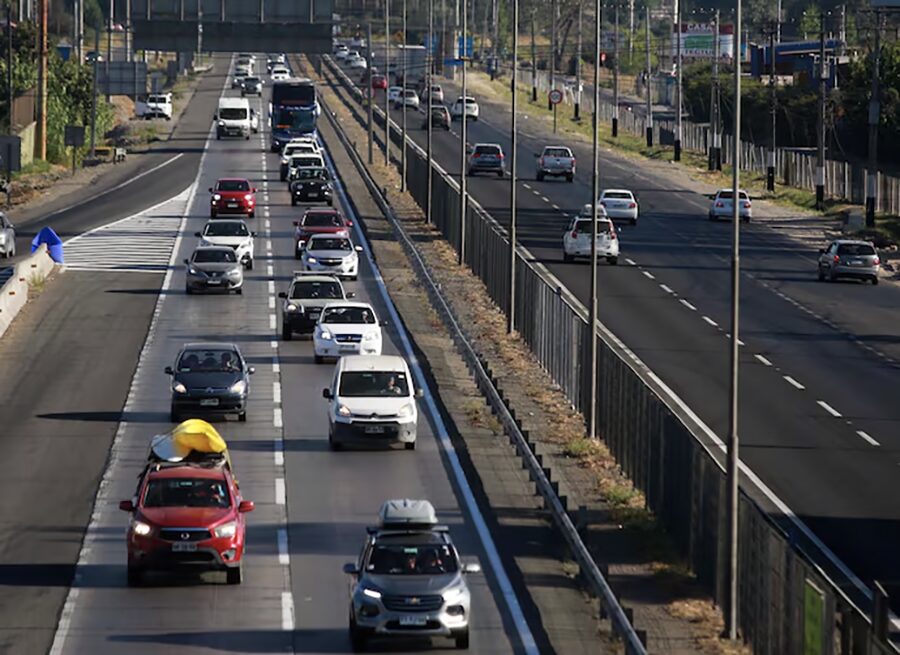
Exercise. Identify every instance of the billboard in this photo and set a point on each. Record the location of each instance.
(698, 41)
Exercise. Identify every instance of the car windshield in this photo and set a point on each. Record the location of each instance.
(487, 150)
(299, 149)
(233, 185)
(186, 492)
(402, 559)
(624, 195)
(306, 162)
(209, 361)
(157, 99)
(330, 244)
(728, 195)
(322, 220)
(251, 80)
(356, 315)
(311, 174)
(585, 227)
(226, 229)
(373, 384)
(313, 290)
(410, 94)
(233, 113)
(855, 249)
(214, 256)
(557, 152)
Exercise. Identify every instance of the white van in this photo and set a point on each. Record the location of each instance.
(233, 118)
(157, 105)
(372, 401)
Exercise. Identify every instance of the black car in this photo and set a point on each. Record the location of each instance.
(209, 379)
(311, 185)
(440, 117)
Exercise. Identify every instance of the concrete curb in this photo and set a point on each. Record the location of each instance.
(14, 294)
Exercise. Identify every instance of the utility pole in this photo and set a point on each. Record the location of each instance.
(715, 150)
(615, 120)
(678, 101)
(553, 9)
(41, 109)
(630, 33)
(9, 79)
(463, 193)
(94, 95)
(514, 174)
(649, 120)
(595, 198)
(128, 35)
(578, 83)
(370, 118)
(770, 165)
(387, 76)
(733, 454)
(495, 37)
(874, 119)
(533, 61)
(820, 151)
(429, 58)
(109, 49)
(405, 69)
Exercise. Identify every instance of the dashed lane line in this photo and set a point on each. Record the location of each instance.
(687, 304)
(866, 437)
(710, 321)
(762, 360)
(828, 408)
(791, 381)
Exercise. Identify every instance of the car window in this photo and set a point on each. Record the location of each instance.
(330, 244)
(365, 384)
(251, 80)
(311, 174)
(186, 492)
(401, 559)
(487, 150)
(355, 315)
(233, 185)
(301, 162)
(624, 195)
(226, 229)
(214, 256)
(312, 290)
(557, 152)
(209, 361)
(322, 220)
(858, 249)
(585, 226)
(233, 113)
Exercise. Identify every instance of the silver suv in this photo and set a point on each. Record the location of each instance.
(409, 580)
(303, 303)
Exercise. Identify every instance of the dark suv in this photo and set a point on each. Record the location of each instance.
(210, 379)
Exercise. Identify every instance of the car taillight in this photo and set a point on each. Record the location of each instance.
(502, 156)
(837, 260)
(603, 203)
(574, 234)
(612, 235)
(747, 205)
(632, 205)
(720, 204)
(541, 161)
(475, 155)
(876, 261)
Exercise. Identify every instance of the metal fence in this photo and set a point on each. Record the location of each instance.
(788, 604)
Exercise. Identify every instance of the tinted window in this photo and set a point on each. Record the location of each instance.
(728, 195)
(233, 185)
(330, 244)
(400, 559)
(306, 161)
(226, 229)
(322, 220)
(360, 315)
(313, 290)
(186, 492)
(209, 361)
(252, 80)
(311, 174)
(233, 113)
(585, 226)
(858, 249)
(487, 150)
(373, 384)
(557, 152)
(624, 195)
(214, 257)
(157, 99)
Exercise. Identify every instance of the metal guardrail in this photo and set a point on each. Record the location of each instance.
(594, 577)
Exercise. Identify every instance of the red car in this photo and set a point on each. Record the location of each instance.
(232, 195)
(379, 82)
(319, 220)
(186, 515)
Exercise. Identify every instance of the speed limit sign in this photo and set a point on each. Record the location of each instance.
(556, 96)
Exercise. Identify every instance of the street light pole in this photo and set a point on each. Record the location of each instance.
(511, 313)
(874, 111)
(370, 118)
(773, 112)
(615, 120)
(678, 89)
(820, 131)
(533, 61)
(387, 77)
(463, 193)
(649, 85)
(595, 195)
(405, 69)
(429, 58)
(553, 9)
(715, 158)
(578, 83)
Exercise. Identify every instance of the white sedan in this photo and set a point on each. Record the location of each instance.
(327, 253)
(469, 108)
(577, 239)
(347, 328)
(620, 204)
(358, 62)
(231, 232)
(394, 93)
(722, 206)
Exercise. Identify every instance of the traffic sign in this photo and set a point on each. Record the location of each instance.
(556, 96)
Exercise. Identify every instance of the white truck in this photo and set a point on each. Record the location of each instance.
(233, 118)
(157, 105)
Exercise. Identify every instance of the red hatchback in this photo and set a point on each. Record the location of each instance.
(186, 515)
(232, 196)
(379, 82)
(319, 220)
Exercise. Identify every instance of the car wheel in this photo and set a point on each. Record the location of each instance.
(874, 280)
(499, 173)
(218, 137)
(612, 260)
(297, 254)
(570, 177)
(332, 444)
(319, 359)
(821, 275)
(235, 574)
(251, 215)
(567, 258)
(711, 217)
(357, 638)
(249, 265)
(745, 219)
(135, 576)
(282, 176)
(174, 416)
(293, 202)
(239, 291)
(242, 417)
(632, 221)
(188, 290)
(462, 640)
(410, 445)
(212, 213)
(475, 118)
(286, 333)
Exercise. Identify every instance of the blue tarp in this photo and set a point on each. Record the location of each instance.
(54, 244)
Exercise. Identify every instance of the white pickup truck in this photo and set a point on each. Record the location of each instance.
(556, 161)
(157, 105)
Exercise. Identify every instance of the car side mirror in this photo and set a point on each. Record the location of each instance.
(168, 370)
(351, 294)
(384, 323)
(197, 234)
(126, 505)
(473, 567)
(349, 223)
(297, 223)
(282, 294)
(821, 251)
(253, 190)
(326, 393)
(420, 393)
(251, 370)
(187, 261)
(351, 569)
(210, 189)
(359, 248)
(253, 234)
(246, 506)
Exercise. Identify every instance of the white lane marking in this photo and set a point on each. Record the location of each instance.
(791, 381)
(864, 435)
(630, 262)
(545, 198)
(272, 321)
(268, 225)
(526, 185)
(283, 557)
(277, 418)
(278, 452)
(828, 408)
(276, 367)
(271, 302)
(763, 360)
(665, 288)
(273, 344)
(279, 491)
(287, 611)
(555, 206)
(276, 393)
(649, 275)
(710, 321)
(272, 287)
(270, 270)
(443, 438)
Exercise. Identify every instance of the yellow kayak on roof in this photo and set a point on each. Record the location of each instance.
(192, 436)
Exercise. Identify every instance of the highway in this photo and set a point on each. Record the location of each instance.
(820, 363)
(312, 505)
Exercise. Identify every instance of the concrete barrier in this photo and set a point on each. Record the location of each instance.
(14, 294)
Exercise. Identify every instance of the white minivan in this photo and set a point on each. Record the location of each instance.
(372, 401)
(233, 118)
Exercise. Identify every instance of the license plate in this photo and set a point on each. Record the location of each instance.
(183, 548)
(209, 402)
(313, 194)
(232, 205)
(347, 348)
(413, 620)
(856, 262)
(374, 429)
(214, 281)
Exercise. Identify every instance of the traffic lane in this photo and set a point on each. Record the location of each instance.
(189, 613)
(328, 529)
(67, 368)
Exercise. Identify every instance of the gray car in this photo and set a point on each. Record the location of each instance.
(214, 268)
(486, 158)
(849, 259)
(408, 581)
(251, 86)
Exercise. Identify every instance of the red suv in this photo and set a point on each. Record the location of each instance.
(232, 196)
(319, 220)
(186, 515)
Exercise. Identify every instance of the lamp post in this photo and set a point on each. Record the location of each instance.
(511, 313)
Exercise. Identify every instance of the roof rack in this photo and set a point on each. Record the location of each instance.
(407, 515)
(301, 274)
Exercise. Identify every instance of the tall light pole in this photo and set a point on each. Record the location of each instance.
(405, 69)
(429, 58)
(595, 194)
(370, 118)
(514, 173)
(615, 120)
(463, 193)
(715, 149)
(387, 77)
(678, 89)
(533, 60)
(578, 83)
(773, 111)
(554, 9)
(731, 609)
(649, 91)
(823, 90)
(874, 111)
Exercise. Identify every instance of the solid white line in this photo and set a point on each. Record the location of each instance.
(287, 611)
(272, 321)
(710, 321)
(278, 452)
(687, 304)
(277, 419)
(864, 435)
(828, 408)
(276, 392)
(284, 557)
(271, 302)
(279, 491)
(763, 360)
(791, 381)
(665, 288)
(648, 274)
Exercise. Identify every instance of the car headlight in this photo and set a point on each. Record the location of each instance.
(2, 237)
(217, 196)
(204, 242)
(406, 410)
(221, 123)
(371, 336)
(235, 272)
(453, 595)
(192, 270)
(178, 387)
(238, 387)
(248, 197)
(284, 160)
(247, 244)
(140, 528)
(371, 593)
(290, 307)
(325, 334)
(343, 410)
(226, 530)
(311, 260)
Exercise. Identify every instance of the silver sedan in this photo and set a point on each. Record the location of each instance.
(214, 268)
